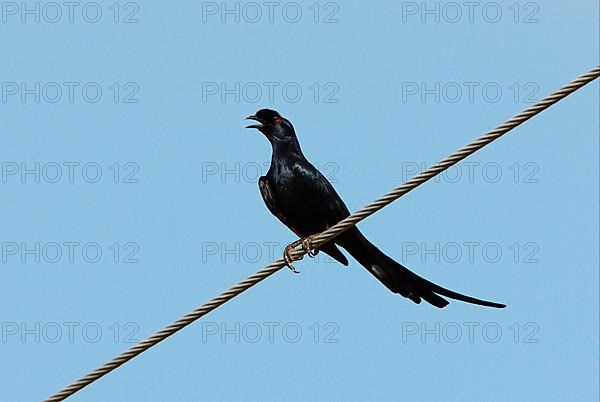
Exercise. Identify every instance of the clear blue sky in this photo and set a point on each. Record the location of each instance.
(376, 92)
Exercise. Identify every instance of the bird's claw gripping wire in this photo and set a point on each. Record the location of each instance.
(307, 246)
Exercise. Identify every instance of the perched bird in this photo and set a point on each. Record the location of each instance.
(306, 202)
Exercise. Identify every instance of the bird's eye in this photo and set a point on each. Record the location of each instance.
(278, 121)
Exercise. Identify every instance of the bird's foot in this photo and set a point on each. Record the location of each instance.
(287, 255)
(307, 246)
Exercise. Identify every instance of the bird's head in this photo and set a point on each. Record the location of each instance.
(272, 125)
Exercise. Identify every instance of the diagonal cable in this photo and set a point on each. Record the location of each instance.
(327, 235)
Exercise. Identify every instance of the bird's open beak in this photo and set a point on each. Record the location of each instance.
(257, 126)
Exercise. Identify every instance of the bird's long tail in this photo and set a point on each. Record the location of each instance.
(397, 277)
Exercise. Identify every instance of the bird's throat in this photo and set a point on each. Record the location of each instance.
(288, 149)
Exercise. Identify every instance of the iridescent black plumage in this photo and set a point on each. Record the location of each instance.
(306, 202)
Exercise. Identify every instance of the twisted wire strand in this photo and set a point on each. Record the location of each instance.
(327, 235)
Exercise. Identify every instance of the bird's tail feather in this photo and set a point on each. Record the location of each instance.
(400, 279)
